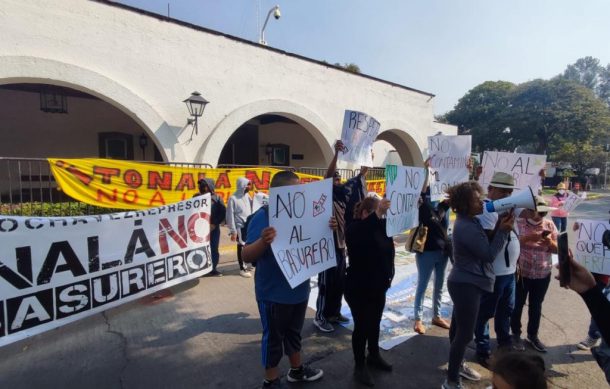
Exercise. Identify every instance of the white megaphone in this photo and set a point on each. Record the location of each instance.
(523, 199)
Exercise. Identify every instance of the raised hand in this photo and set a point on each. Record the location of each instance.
(268, 235)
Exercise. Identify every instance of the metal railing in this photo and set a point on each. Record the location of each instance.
(27, 186)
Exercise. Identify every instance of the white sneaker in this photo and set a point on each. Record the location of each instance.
(469, 373)
(245, 273)
(588, 343)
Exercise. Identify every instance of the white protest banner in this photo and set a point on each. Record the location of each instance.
(525, 169)
(572, 202)
(304, 245)
(359, 132)
(57, 270)
(403, 188)
(587, 246)
(450, 155)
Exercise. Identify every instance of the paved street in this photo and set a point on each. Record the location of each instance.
(205, 333)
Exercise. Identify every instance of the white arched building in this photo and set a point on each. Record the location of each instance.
(121, 75)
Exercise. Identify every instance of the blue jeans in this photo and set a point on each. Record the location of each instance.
(536, 289)
(560, 222)
(499, 305)
(426, 263)
(214, 242)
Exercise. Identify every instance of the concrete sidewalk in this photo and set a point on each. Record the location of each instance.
(206, 334)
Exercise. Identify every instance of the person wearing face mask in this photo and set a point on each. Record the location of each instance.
(560, 216)
(538, 239)
(242, 203)
(217, 217)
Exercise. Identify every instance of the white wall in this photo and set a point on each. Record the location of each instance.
(146, 66)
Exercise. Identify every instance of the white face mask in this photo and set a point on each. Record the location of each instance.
(561, 191)
(532, 221)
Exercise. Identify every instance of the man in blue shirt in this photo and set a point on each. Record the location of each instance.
(282, 308)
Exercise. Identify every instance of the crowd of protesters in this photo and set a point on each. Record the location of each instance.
(499, 261)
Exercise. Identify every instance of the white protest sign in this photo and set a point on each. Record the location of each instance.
(57, 270)
(359, 132)
(572, 201)
(525, 169)
(586, 244)
(403, 188)
(304, 244)
(450, 155)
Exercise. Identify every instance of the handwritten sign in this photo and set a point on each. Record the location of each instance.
(449, 164)
(525, 168)
(304, 244)
(403, 188)
(586, 244)
(359, 132)
(572, 201)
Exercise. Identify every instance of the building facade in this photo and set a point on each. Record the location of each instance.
(83, 78)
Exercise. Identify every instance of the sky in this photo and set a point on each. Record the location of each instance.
(444, 47)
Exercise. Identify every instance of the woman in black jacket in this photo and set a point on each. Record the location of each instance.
(369, 275)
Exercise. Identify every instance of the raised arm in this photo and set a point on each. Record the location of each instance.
(333, 164)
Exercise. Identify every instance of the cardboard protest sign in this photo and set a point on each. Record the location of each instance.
(57, 270)
(525, 169)
(449, 163)
(587, 245)
(403, 188)
(359, 132)
(572, 201)
(304, 245)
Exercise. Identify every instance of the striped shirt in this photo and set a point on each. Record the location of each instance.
(535, 259)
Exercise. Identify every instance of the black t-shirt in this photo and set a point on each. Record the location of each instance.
(436, 222)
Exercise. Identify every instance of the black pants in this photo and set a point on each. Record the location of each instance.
(536, 288)
(331, 285)
(239, 248)
(466, 302)
(367, 308)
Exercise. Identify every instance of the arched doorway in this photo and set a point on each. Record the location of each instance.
(273, 140)
(43, 120)
(399, 147)
(275, 124)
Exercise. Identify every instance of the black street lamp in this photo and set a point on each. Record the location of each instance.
(195, 104)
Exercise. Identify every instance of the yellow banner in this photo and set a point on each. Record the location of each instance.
(131, 185)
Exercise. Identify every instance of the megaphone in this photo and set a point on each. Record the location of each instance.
(523, 199)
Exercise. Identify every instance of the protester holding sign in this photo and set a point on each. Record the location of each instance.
(560, 215)
(243, 203)
(331, 282)
(435, 256)
(500, 303)
(206, 185)
(282, 308)
(370, 274)
(451, 162)
(358, 135)
(471, 275)
(538, 239)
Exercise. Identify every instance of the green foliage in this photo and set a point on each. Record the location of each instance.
(350, 67)
(589, 73)
(54, 209)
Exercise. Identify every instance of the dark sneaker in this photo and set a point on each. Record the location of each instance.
(214, 273)
(536, 344)
(275, 384)
(377, 362)
(338, 319)
(362, 375)
(323, 326)
(304, 373)
(518, 344)
(469, 373)
(452, 385)
(588, 343)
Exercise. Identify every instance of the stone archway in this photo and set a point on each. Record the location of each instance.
(306, 119)
(406, 146)
(24, 70)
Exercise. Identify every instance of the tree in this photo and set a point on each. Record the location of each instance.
(550, 113)
(589, 73)
(350, 67)
(480, 113)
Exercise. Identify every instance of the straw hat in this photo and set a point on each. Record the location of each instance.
(502, 180)
(561, 185)
(542, 205)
